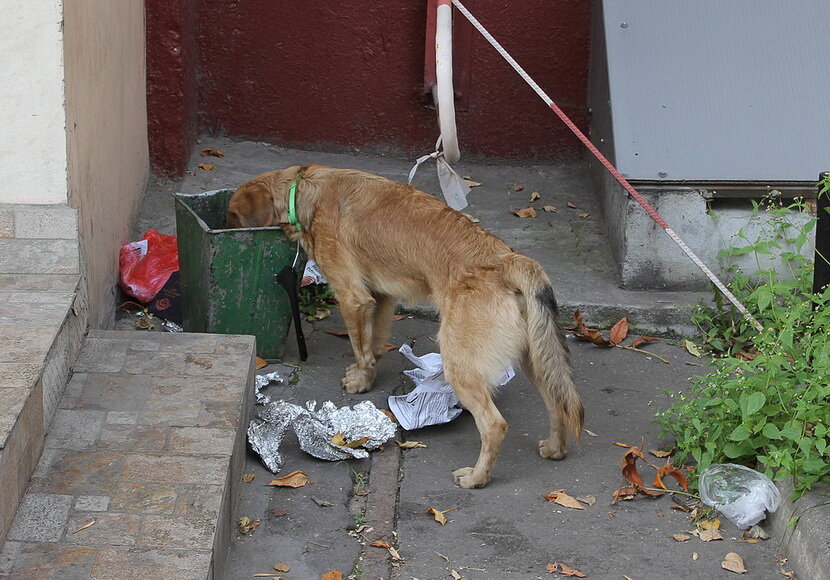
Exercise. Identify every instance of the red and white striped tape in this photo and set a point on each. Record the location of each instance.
(607, 164)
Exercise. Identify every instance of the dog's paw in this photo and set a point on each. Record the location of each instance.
(465, 477)
(357, 379)
(552, 449)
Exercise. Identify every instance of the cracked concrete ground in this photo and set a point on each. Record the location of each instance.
(506, 530)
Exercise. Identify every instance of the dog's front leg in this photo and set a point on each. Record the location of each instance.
(358, 310)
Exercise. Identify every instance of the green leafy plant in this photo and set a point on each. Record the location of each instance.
(767, 401)
(315, 300)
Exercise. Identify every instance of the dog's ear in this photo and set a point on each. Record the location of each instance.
(251, 206)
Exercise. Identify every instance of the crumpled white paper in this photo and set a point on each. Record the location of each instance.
(433, 400)
(312, 274)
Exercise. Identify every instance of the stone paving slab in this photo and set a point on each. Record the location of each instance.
(151, 453)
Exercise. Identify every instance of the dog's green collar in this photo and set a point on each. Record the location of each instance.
(292, 202)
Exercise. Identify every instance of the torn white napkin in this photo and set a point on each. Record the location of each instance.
(453, 187)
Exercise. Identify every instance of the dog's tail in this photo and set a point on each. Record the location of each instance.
(548, 357)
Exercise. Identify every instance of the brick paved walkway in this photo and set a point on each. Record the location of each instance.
(146, 446)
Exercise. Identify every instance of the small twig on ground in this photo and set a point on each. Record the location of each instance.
(634, 348)
(671, 491)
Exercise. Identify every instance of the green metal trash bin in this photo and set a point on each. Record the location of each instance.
(228, 275)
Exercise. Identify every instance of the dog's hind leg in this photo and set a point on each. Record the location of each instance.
(382, 323)
(474, 393)
(556, 445)
(481, 333)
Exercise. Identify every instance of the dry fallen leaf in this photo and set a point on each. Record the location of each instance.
(660, 454)
(527, 212)
(561, 498)
(619, 331)
(756, 532)
(549, 208)
(411, 445)
(332, 575)
(247, 526)
(338, 440)
(470, 183)
(534, 196)
(708, 531)
(389, 414)
(582, 332)
(392, 551)
(671, 470)
(587, 499)
(691, 348)
(564, 570)
(206, 166)
(279, 513)
(248, 477)
(321, 502)
(644, 340)
(212, 153)
(517, 187)
(590, 433)
(624, 494)
(734, 563)
(282, 567)
(337, 332)
(85, 526)
(293, 479)
(439, 515)
(681, 537)
(584, 215)
(260, 363)
(695, 556)
(628, 465)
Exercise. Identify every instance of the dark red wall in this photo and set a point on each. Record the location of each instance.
(350, 76)
(172, 91)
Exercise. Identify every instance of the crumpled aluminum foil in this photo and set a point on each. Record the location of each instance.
(316, 428)
(171, 326)
(263, 381)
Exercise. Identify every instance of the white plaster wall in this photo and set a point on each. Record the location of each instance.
(33, 161)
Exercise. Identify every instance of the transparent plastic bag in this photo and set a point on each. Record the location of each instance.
(741, 494)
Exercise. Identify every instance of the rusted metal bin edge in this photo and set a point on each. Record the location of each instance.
(227, 275)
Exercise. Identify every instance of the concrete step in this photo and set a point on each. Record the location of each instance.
(147, 442)
(42, 321)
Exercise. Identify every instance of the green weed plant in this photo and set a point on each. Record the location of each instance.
(766, 404)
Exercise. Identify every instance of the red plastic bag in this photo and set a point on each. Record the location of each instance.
(146, 265)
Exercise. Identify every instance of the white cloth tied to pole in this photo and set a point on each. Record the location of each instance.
(433, 400)
(452, 186)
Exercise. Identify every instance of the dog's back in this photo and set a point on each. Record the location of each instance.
(407, 243)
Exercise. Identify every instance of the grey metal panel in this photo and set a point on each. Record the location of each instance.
(599, 99)
(719, 90)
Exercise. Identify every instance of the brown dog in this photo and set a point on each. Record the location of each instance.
(377, 241)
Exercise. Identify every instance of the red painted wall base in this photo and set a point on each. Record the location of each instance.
(329, 74)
